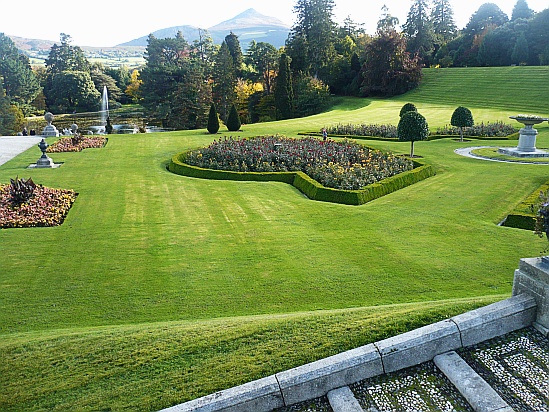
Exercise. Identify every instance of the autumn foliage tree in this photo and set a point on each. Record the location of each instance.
(389, 69)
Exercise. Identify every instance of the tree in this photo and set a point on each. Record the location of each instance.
(487, 15)
(386, 21)
(408, 107)
(19, 81)
(312, 96)
(412, 127)
(236, 52)
(388, 69)
(520, 50)
(418, 30)
(11, 117)
(521, 11)
(263, 59)
(283, 93)
(462, 117)
(442, 19)
(224, 81)
(313, 35)
(174, 88)
(233, 121)
(73, 90)
(64, 58)
(538, 38)
(213, 120)
(133, 87)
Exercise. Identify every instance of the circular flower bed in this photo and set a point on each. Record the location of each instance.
(76, 144)
(46, 207)
(339, 165)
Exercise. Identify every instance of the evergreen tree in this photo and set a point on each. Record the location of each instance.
(62, 59)
(174, 87)
(236, 52)
(283, 93)
(442, 20)
(418, 31)
(521, 11)
(213, 120)
(233, 121)
(520, 50)
(224, 81)
(313, 34)
(386, 21)
(17, 77)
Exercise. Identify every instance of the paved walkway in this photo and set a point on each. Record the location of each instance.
(468, 152)
(11, 146)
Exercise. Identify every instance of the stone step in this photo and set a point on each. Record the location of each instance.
(481, 396)
(343, 400)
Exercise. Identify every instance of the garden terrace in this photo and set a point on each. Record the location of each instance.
(158, 287)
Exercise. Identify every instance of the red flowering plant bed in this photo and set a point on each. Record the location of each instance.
(343, 164)
(76, 143)
(25, 204)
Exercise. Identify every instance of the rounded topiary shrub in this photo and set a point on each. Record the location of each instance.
(412, 127)
(408, 107)
(462, 117)
(233, 121)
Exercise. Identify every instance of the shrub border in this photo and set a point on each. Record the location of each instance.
(305, 184)
(512, 136)
(521, 217)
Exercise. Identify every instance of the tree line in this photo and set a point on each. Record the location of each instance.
(181, 80)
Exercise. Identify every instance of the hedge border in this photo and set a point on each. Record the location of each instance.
(521, 217)
(512, 136)
(308, 186)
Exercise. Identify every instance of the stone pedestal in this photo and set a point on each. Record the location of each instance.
(527, 139)
(532, 277)
(50, 131)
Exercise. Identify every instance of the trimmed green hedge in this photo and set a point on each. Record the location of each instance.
(513, 136)
(522, 217)
(310, 187)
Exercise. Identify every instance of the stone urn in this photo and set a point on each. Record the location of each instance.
(527, 138)
(50, 130)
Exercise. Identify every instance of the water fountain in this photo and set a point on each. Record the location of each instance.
(527, 138)
(104, 114)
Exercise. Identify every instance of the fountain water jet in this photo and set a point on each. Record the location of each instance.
(104, 107)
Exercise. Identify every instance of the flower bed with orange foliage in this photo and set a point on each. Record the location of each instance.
(44, 207)
(76, 144)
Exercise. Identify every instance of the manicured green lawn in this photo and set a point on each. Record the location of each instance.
(160, 288)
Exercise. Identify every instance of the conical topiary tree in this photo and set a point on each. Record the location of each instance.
(462, 117)
(408, 107)
(213, 120)
(412, 127)
(233, 121)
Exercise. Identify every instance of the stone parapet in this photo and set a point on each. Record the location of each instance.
(532, 278)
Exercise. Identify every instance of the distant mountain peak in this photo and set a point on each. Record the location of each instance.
(249, 18)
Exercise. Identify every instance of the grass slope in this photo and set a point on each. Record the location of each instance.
(144, 254)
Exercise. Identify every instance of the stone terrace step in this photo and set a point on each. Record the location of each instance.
(505, 374)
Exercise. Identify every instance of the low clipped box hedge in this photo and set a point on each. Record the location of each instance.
(308, 186)
(522, 216)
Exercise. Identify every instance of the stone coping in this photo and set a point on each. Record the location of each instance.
(318, 378)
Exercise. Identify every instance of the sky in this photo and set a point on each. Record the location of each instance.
(107, 23)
